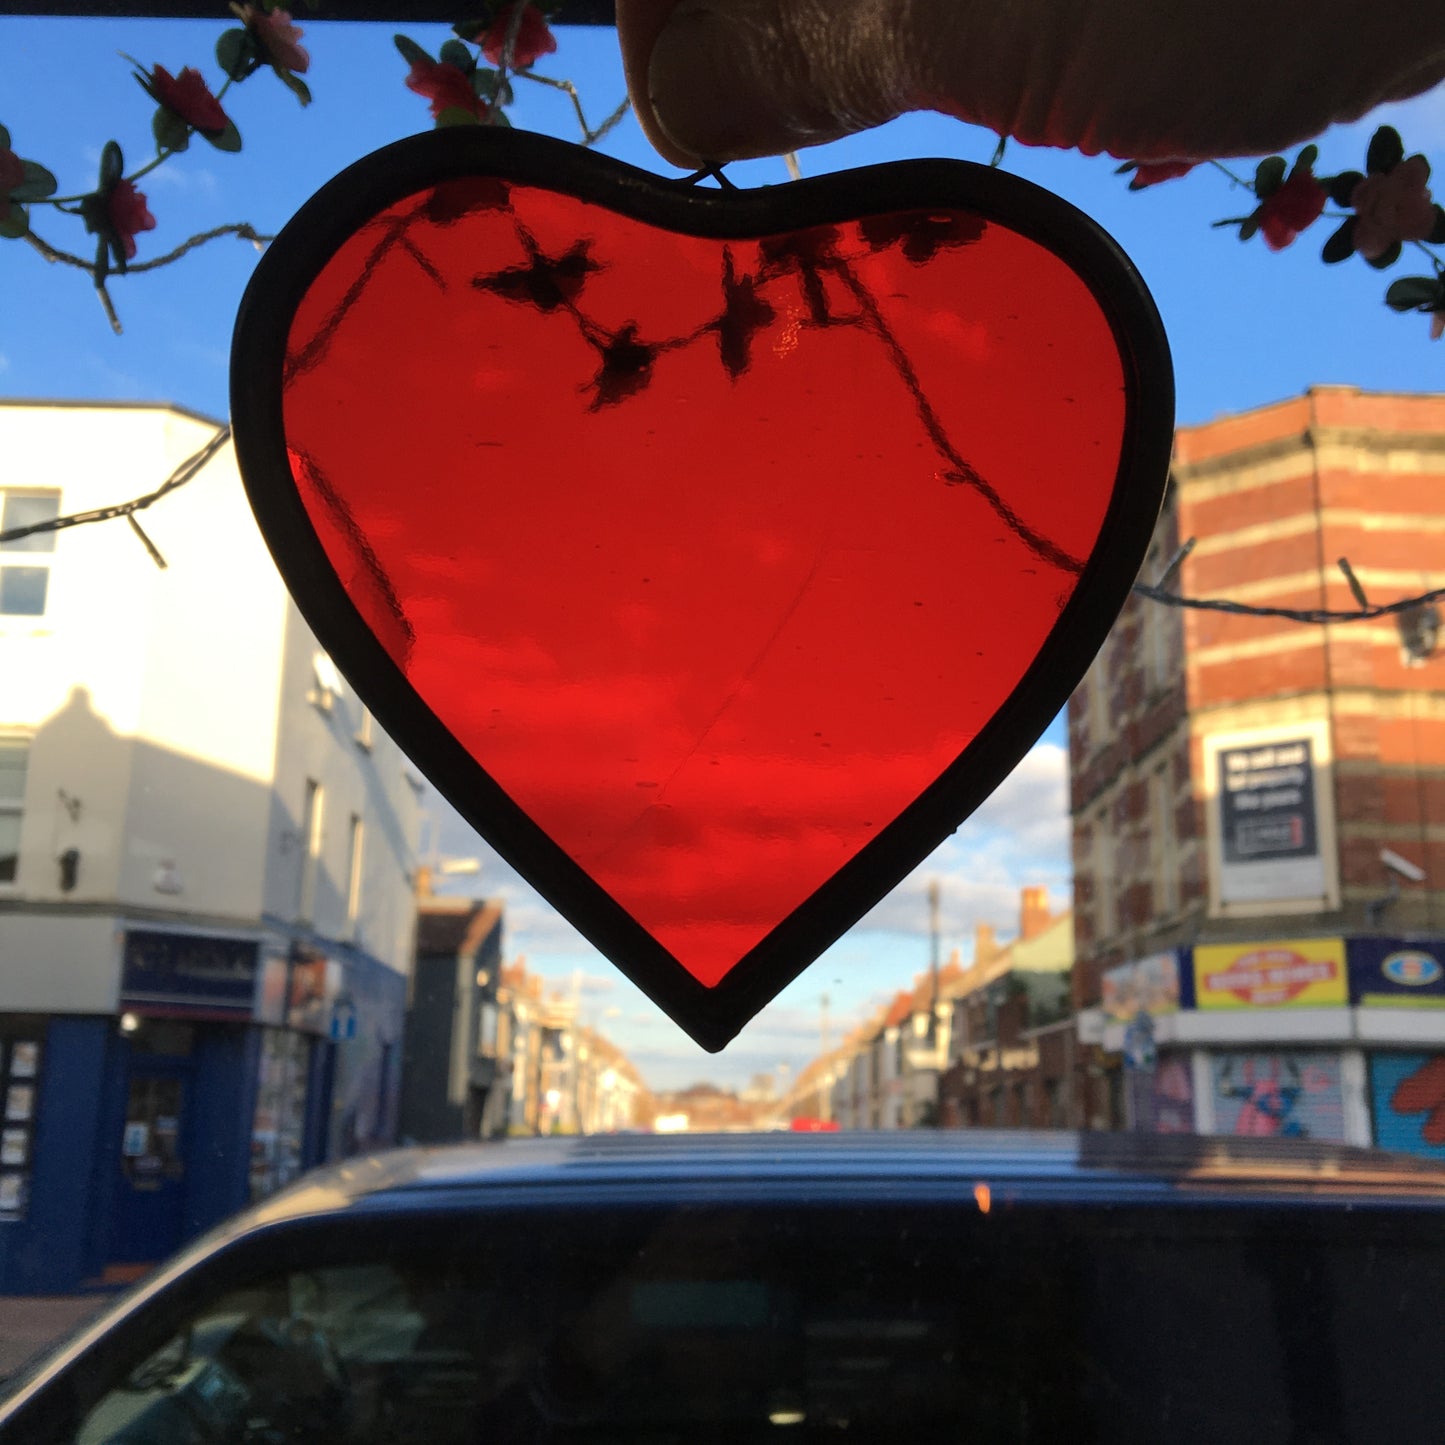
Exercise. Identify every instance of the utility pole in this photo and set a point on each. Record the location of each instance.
(933, 960)
(825, 1086)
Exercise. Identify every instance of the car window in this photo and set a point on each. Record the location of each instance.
(898, 1322)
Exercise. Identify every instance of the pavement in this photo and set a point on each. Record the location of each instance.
(31, 1324)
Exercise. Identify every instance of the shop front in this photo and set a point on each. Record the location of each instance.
(230, 1064)
(1340, 1040)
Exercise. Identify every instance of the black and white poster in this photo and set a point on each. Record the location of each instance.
(1269, 795)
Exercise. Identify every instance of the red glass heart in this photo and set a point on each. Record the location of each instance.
(715, 553)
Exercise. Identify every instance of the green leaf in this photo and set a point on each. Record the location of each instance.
(170, 131)
(1386, 150)
(411, 52)
(1415, 293)
(455, 115)
(1437, 236)
(236, 53)
(453, 52)
(470, 29)
(1341, 245)
(294, 84)
(1307, 158)
(38, 183)
(4, 139)
(93, 213)
(1248, 227)
(1342, 186)
(102, 258)
(228, 140)
(1386, 259)
(14, 221)
(1268, 176)
(112, 165)
(499, 117)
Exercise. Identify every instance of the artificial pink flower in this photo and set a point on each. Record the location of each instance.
(126, 210)
(188, 95)
(1392, 206)
(1295, 206)
(12, 171)
(1150, 173)
(445, 86)
(278, 35)
(533, 40)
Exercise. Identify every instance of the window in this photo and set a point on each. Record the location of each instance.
(13, 753)
(355, 840)
(1165, 849)
(365, 729)
(23, 585)
(1103, 875)
(310, 835)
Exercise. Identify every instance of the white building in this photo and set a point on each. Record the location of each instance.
(206, 855)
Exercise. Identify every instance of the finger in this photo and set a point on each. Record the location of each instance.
(720, 80)
(638, 24)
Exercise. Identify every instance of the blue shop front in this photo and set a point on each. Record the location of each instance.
(232, 1063)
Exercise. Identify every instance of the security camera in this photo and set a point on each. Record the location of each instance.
(1403, 866)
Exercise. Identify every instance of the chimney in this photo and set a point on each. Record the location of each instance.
(1034, 914)
(985, 945)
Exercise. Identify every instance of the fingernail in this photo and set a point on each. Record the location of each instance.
(712, 87)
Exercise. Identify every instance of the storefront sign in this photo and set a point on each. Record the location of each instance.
(1268, 819)
(1149, 984)
(1408, 1091)
(184, 973)
(1301, 973)
(1292, 1094)
(1393, 973)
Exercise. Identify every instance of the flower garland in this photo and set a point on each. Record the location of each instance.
(116, 211)
(1387, 207)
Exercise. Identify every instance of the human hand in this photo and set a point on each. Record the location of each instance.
(721, 80)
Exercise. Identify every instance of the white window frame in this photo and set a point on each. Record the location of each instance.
(355, 866)
(36, 552)
(15, 807)
(312, 809)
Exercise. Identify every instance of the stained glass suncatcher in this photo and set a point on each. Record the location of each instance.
(715, 553)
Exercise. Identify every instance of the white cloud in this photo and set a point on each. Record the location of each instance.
(1019, 836)
(183, 180)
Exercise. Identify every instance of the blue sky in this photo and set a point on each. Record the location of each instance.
(1246, 326)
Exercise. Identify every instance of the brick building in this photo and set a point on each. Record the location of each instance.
(1259, 805)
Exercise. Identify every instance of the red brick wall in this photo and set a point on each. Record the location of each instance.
(1274, 497)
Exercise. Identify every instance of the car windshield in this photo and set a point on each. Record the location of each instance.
(243, 931)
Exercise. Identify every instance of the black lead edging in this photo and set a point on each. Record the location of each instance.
(712, 1016)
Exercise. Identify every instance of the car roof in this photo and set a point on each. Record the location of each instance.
(1029, 1167)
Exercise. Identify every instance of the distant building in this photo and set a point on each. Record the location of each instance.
(1013, 1052)
(708, 1109)
(456, 1078)
(565, 1077)
(1259, 804)
(932, 1054)
(206, 845)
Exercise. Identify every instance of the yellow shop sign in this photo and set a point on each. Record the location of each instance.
(1293, 973)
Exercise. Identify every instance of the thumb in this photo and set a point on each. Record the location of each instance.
(722, 80)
